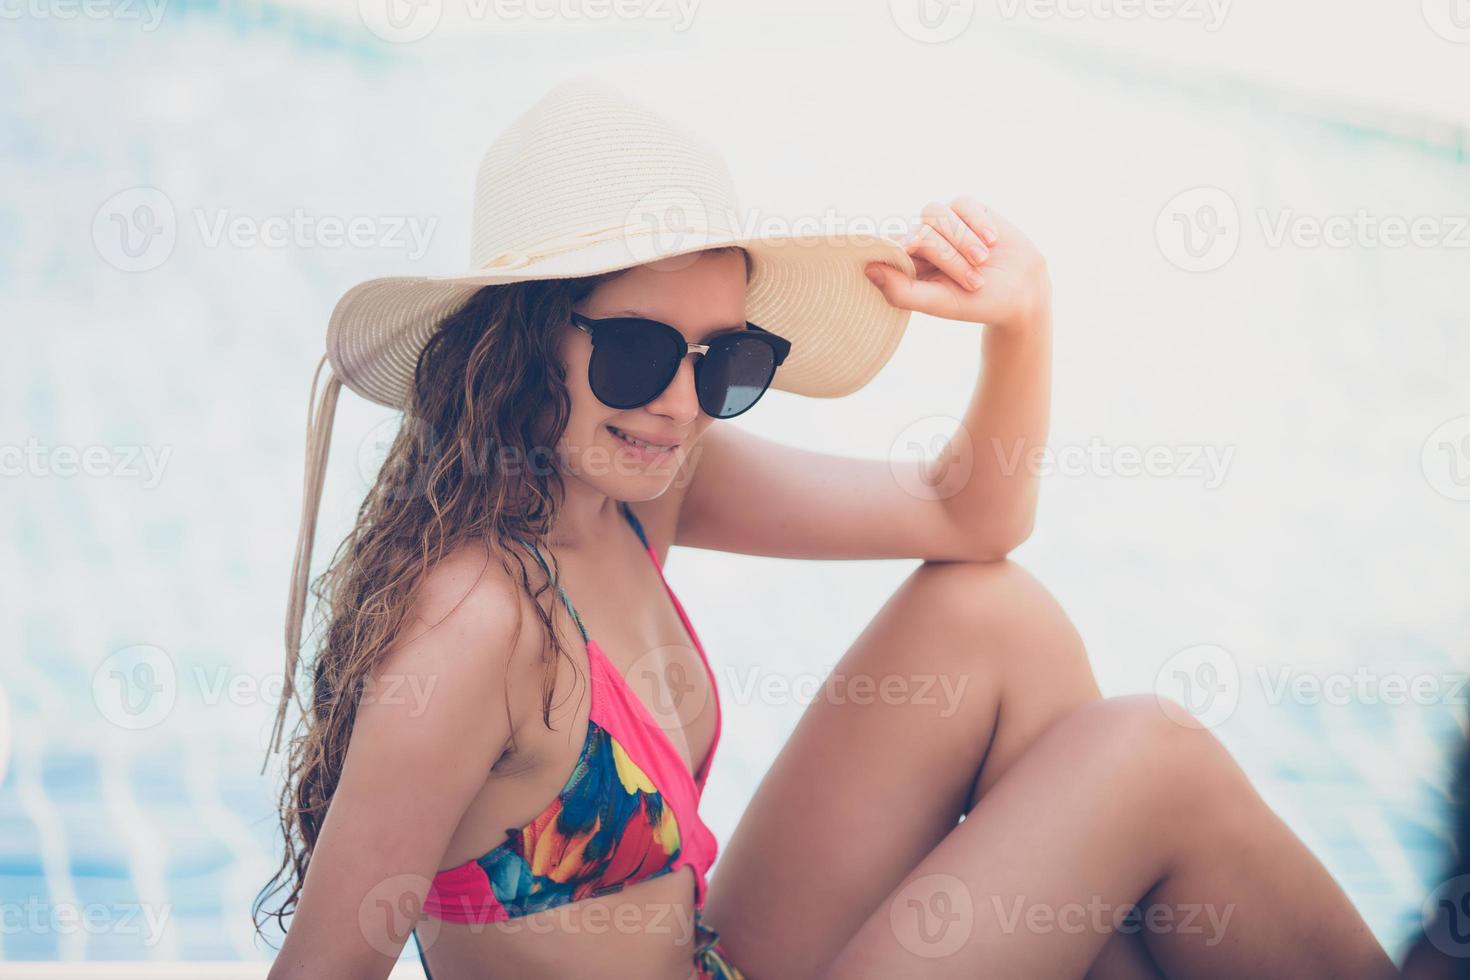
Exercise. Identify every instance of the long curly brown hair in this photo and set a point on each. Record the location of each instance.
(488, 387)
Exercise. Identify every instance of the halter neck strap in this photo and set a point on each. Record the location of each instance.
(632, 519)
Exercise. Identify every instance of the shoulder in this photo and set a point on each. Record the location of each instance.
(463, 620)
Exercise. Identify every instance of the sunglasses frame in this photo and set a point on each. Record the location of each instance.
(780, 348)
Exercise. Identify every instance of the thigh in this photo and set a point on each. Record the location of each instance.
(1022, 888)
(958, 672)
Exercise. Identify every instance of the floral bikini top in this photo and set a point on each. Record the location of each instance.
(628, 812)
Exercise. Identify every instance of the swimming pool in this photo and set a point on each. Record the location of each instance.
(142, 600)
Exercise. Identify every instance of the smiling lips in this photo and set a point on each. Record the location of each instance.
(648, 445)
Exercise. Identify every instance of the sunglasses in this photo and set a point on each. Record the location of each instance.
(634, 359)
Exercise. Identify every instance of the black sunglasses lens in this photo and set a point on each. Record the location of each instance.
(633, 361)
(734, 375)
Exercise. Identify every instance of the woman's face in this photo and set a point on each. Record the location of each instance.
(698, 297)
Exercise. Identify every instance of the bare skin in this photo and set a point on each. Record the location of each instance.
(852, 859)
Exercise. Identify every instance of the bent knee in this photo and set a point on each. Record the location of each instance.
(1142, 745)
(999, 609)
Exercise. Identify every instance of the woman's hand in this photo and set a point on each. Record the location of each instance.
(971, 264)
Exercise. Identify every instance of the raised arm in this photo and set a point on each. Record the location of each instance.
(976, 498)
(426, 733)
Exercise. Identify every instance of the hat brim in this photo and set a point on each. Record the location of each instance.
(810, 289)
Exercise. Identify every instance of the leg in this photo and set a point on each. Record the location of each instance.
(1116, 804)
(863, 791)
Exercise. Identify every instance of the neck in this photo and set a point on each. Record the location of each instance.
(582, 518)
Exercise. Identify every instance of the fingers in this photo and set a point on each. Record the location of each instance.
(949, 241)
(977, 216)
(950, 245)
(919, 295)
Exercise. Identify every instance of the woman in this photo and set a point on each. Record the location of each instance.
(530, 803)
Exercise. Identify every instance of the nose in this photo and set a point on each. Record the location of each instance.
(679, 402)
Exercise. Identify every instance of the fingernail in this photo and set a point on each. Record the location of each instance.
(874, 274)
(978, 253)
(975, 279)
(988, 233)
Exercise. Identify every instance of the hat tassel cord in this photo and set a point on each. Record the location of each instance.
(320, 415)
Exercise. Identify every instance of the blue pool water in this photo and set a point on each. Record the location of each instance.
(141, 602)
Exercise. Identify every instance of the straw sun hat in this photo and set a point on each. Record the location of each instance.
(584, 182)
